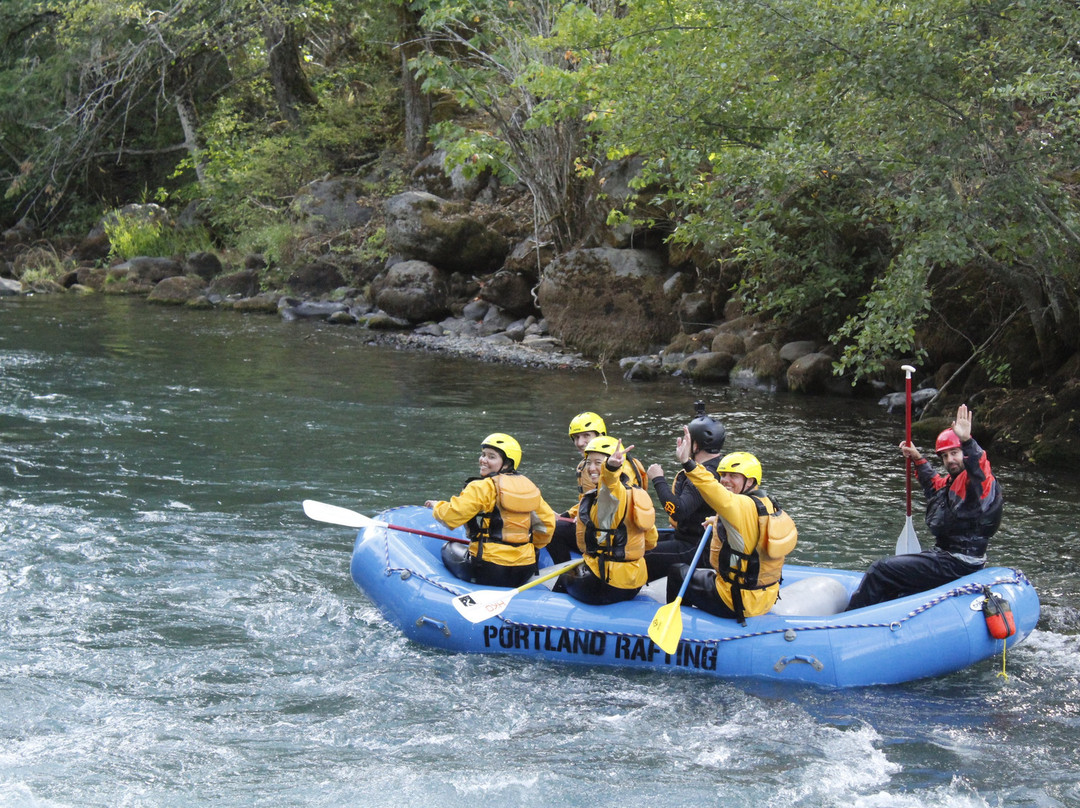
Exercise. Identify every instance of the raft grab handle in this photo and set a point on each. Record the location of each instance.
(424, 620)
(813, 662)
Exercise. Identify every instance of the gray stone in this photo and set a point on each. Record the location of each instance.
(456, 183)
(244, 282)
(316, 278)
(607, 302)
(381, 321)
(791, 351)
(725, 342)
(475, 309)
(810, 373)
(708, 367)
(424, 227)
(177, 290)
(495, 320)
(204, 264)
(761, 369)
(510, 291)
(332, 205)
(292, 309)
(641, 372)
(412, 290)
(151, 269)
(529, 258)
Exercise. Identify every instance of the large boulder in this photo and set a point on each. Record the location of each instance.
(608, 302)
(412, 290)
(510, 291)
(177, 290)
(761, 369)
(204, 264)
(810, 373)
(529, 257)
(708, 366)
(332, 205)
(242, 283)
(433, 174)
(424, 227)
(317, 278)
(152, 269)
(91, 277)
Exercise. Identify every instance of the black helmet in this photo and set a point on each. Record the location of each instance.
(707, 433)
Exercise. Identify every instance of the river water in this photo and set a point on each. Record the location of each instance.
(174, 631)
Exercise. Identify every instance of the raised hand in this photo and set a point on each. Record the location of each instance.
(962, 425)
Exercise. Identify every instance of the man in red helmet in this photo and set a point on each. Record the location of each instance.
(963, 510)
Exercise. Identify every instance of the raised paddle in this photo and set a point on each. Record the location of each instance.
(321, 512)
(666, 627)
(908, 543)
(478, 606)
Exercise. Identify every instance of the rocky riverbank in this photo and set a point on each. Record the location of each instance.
(466, 276)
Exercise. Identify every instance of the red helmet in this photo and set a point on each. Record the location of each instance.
(947, 440)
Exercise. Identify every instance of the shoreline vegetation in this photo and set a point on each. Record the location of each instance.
(838, 196)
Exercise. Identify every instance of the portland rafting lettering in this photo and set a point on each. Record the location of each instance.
(581, 642)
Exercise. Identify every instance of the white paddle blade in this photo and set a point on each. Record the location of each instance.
(908, 542)
(476, 607)
(321, 512)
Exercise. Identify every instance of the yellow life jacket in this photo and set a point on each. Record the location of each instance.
(616, 554)
(503, 535)
(759, 566)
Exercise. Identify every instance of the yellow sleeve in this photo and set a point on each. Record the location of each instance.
(542, 533)
(738, 512)
(651, 537)
(477, 497)
(611, 481)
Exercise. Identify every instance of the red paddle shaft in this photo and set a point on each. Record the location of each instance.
(907, 427)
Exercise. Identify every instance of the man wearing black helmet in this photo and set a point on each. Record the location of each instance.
(685, 507)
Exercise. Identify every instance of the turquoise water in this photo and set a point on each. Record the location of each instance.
(173, 631)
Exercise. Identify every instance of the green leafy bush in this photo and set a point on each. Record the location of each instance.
(130, 237)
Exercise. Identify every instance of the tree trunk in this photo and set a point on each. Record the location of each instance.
(291, 88)
(185, 109)
(417, 104)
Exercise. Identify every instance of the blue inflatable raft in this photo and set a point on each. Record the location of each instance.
(806, 638)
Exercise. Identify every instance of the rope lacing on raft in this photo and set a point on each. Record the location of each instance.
(1017, 577)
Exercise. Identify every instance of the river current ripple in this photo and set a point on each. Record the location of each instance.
(174, 632)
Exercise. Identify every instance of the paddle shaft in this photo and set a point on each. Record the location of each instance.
(693, 564)
(547, 577)
(443, 537)
(483, 604)
(336, 515)
(907, 432)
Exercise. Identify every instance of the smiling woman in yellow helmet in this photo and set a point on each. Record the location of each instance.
(586, 427)
(615, 526)
(745, 577)
(505, 517)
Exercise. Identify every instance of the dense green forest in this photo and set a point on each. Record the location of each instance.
(873, 166)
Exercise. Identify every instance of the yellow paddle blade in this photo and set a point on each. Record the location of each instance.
(666, 627)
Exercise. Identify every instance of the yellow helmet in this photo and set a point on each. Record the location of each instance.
(604, 444)
(505, 445)
(587, 422)
(742, 463)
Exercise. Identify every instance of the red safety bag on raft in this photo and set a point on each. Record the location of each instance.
(998, 614)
